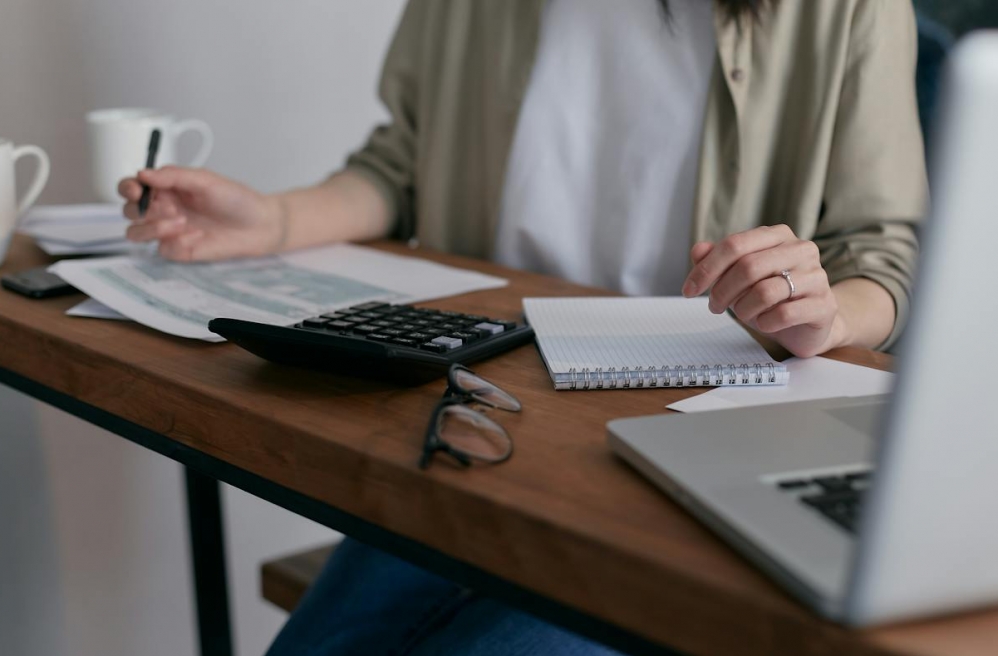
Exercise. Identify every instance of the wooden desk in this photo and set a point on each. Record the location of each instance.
(564, 529)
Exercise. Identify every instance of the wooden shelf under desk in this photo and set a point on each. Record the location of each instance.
(563, 519)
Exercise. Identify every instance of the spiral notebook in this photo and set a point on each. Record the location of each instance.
(622, 343)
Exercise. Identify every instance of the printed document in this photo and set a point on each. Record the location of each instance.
(180, 299)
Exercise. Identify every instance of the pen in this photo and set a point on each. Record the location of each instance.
(150, 163)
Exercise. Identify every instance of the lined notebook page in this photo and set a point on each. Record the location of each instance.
(652, 333)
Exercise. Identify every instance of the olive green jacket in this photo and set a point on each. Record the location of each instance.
(811, 121)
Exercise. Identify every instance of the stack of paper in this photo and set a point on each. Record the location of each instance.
(180, 299)
(79, 229)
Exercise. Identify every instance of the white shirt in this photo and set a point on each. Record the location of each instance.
(601, 175)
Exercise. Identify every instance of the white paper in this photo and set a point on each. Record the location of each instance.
(60, 249)
(180, 299)
(77, 225)
(81, 234)
(810, 379)
(91, 309)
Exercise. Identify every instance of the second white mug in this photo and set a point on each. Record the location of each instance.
(119, 141)
(12, 209)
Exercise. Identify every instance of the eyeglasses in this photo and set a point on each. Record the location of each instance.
(463, 431)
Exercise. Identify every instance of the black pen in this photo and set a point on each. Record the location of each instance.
(150, 163)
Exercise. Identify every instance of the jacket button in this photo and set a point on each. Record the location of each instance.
(738, 75)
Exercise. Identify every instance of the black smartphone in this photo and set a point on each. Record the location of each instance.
(37, 283)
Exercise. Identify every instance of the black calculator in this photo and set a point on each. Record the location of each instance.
(401, 343)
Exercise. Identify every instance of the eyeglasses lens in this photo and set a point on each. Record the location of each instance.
(484, 391)
(473, 433)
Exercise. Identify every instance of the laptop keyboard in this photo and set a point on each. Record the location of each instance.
(836, 497)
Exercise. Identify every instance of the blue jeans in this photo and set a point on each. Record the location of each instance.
(368, 603)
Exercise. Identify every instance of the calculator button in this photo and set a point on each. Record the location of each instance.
(379, 337)
(365, 329)
(474, 318)
(332, 315)
(466, 337)
(402, 341)
(392, 332)
(369, 315)
(434, 348)
(492, 328)
(508, 325)
(449, 326)
(369, 306)
(383, 323)
(316, 322)
(421, 337)
(448, 342)
(338, 325)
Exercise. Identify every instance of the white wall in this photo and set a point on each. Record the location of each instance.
(93, 542)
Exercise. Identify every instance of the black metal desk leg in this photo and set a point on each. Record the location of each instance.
(204, 511)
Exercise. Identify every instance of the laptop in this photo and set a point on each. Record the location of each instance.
(873, 510)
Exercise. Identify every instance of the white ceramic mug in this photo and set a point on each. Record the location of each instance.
(119, 143)
(10, 209)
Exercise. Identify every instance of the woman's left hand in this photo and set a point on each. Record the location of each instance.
(744, 272)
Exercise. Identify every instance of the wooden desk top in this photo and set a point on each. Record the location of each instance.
(563, 517)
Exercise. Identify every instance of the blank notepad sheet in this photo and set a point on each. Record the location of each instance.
(647, 334)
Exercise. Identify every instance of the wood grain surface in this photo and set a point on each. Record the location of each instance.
(563, 517)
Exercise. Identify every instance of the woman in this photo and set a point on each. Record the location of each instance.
(597, 141)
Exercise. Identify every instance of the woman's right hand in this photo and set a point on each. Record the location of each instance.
(198, 215)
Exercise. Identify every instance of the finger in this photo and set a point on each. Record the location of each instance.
(767, 294)
(811, 311)
(131, 211)
(152, 230)
(800, 257)
(176, 178)
(700, 250)
(130, 189)
(183, 248)
(162, 206)
(731, 249)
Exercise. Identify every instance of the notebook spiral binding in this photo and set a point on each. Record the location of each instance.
(651, 377)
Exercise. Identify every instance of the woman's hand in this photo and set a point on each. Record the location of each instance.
(199, 215)
(744, 273)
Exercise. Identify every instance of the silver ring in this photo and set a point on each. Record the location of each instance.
(793, 288)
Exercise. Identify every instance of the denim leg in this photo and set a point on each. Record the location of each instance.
(484, 627)
(366, 603)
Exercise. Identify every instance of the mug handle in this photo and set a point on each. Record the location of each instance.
(41, 176)
(207, 138)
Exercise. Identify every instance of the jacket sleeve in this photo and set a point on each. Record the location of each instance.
(876, 189)
(388, 158)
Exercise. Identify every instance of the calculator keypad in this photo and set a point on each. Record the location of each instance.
(434, 331)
